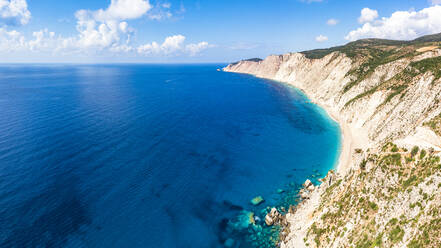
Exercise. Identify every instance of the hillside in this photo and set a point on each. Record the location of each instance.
(385, 95)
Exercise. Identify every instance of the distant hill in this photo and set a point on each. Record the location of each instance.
(367, 46)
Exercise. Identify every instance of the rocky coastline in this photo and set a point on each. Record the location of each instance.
(386, 106)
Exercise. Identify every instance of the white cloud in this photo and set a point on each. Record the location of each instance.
(98, 34)
(435, 2)
(106, 28)
(321, 38)
(172, 45)
(194, 49)
(160, 15)
(41, 41)
(332, 22)
(14, 12)
(160, 12)
(367, 15)
(102, 31)
(97, 30)
(403, 25)
(11, 40)
(123, 10)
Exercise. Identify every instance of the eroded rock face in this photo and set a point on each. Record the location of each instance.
(375, 113)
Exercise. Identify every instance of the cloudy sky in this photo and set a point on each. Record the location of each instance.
(176, 31)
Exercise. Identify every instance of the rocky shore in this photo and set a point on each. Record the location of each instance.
(385, 96)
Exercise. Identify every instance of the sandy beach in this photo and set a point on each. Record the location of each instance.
(347, 143)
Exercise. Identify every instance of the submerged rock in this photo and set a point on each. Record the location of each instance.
(257, 200)
(243, 221)
(251, 218)
(229, 243)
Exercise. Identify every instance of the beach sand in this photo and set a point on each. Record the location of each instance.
(347, 143)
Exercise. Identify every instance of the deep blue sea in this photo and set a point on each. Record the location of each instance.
(148, 155)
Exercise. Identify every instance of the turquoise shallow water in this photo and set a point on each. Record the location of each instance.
(148, 155)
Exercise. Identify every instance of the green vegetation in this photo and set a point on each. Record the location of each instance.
(318, 232)
(422, 154)
(396, 90)
(430, 64)
(392, 159)
(435, 124)
(397, 85)
(396, 234)
(361, 199)
(393, 173)
(414, 151)
(373, 206)
(352, 49)
(363, 164)
(376, 52)
(409, 181)
(429, 232)
(372, 53)
(252, 60)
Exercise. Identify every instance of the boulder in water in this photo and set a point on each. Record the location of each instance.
(268, 220)
(307, 183)
(272, 217)
(257, 200)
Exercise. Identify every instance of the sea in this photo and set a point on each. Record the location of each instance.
(152, 155)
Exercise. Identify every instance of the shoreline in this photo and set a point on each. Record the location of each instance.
(343, 163)
(304, 216)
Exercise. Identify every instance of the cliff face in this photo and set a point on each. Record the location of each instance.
(372, 108)
(385, 95)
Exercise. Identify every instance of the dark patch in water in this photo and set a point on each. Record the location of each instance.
(232, 206)
(158, 192)
(63, 214)
(222, 230)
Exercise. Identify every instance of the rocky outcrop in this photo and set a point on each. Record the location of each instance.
(378, 101)
(272, 217)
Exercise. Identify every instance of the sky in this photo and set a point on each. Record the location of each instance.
(199, 31)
